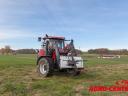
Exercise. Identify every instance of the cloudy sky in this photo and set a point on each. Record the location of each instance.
(91, 23)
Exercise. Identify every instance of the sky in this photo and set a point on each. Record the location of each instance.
(91, 23)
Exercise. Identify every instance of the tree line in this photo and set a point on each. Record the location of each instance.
(7, 50)
(108, 51)
(26, 51)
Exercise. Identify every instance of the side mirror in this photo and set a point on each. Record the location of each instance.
(39, 39)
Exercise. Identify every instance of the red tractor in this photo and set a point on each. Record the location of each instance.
(56, 55)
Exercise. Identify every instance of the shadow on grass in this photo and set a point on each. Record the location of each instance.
(89, 75)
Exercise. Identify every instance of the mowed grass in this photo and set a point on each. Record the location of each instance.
(18, 77)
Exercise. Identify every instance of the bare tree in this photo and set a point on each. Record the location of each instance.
(7, 49)
(2, 51)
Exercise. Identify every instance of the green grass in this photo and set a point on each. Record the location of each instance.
(92, 59)
(18, 77)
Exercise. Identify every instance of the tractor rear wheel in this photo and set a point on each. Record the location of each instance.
(45, 66)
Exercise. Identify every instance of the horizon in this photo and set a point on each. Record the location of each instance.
(92, 24)
(76, 48)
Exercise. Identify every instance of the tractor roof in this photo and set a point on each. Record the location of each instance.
(54, 37)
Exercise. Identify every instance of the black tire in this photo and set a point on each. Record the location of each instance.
(45, 66)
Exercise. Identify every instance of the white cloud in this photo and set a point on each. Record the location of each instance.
(14, 34)
(4, 35)
(11, 37)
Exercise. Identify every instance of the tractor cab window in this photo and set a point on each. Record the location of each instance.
(60, 44)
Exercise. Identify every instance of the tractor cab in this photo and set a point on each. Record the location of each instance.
(51, 43)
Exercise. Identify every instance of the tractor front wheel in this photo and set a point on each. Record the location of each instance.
(45, 66)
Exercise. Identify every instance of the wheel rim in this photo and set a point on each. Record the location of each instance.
(44, 68)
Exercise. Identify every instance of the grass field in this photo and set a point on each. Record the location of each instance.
(18, 77)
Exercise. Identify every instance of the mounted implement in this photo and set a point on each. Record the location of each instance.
(57, 55)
